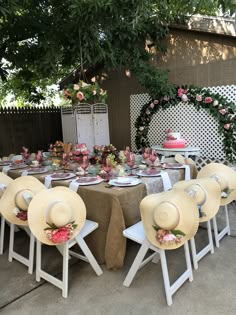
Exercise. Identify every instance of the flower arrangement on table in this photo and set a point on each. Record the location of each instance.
(60, 153)
(84, 92)
(80, 151)
(216, 105)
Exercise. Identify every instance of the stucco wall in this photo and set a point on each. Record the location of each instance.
(192, 58)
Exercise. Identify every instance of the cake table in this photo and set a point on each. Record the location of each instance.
(168, 152)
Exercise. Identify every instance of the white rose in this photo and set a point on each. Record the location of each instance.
(184, 98)
(215, 103)
(141, 128)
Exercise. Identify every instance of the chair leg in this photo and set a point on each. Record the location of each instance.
(137, 263)
(90, 258)
(61, 284)
(208, 248)
(188, 274)
(29, 262)
(226, 230)
(2, 235)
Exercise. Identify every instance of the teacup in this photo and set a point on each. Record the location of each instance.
(35, 163)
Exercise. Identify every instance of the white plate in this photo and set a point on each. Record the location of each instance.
(133, 182)
(5, 163)
(37, 170)
(149, 173)
(18, 166)
(85, 181)
(172, 165)
(62, 176)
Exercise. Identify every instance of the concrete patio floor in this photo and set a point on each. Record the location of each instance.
(212, 291)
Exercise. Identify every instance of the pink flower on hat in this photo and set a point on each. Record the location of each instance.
(198, 97)
(168, 237)
(227, 126)
(208, 100)
(61, 235)
(80, 96)
(223, 111)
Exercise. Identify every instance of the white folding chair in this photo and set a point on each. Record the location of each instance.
(29, 262)
(197, 256)
(88, 228)
(226, 230)
(137, 234)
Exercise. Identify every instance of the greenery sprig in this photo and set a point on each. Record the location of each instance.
(201, 98)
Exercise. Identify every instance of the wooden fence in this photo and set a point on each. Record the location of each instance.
(34, 128)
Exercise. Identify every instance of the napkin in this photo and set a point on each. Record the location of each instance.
(166, 181)
(24, 173)
(74, 185)
(5, 169)
(187, 172)
(48, 181)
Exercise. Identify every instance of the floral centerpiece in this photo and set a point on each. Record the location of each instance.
(110, 152)
(84, 92)
(79, 151)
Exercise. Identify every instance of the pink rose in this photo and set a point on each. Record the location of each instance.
(151, 105)
(22, 215)
(227, 126)
(223, 111)
(180, 92)
(198, 98)
(148, 112)
(169, 238)
(80, 96)
(208, 100)
(155, 102)
(61, 235)
(76, 87)
(67, 92)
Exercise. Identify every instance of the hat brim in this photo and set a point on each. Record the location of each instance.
(189, 217)
(4, 179)
(212, 203)
(221, 170)
(37, 216)
(7, 202)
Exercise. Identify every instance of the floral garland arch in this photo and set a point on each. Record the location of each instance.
(215, 104)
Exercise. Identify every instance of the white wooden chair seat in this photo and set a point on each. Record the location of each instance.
(136, 233)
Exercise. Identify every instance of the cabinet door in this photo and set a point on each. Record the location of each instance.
(84, 125)
(101, 124)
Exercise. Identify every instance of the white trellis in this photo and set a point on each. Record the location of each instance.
(198, 128)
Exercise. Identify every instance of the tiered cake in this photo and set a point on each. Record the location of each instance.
(173, 141)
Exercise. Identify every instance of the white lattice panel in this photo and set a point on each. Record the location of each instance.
(198, 128)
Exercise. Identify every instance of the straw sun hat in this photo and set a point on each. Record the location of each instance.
(56, 215)
(226, 178)
(12, 202)
(169, 218)
(4, 182)
(206, 193)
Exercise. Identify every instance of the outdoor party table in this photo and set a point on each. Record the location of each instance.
(114, 209)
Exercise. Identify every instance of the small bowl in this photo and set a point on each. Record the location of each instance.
(142, 166)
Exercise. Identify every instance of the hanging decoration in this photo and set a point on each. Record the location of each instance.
(201, 98)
